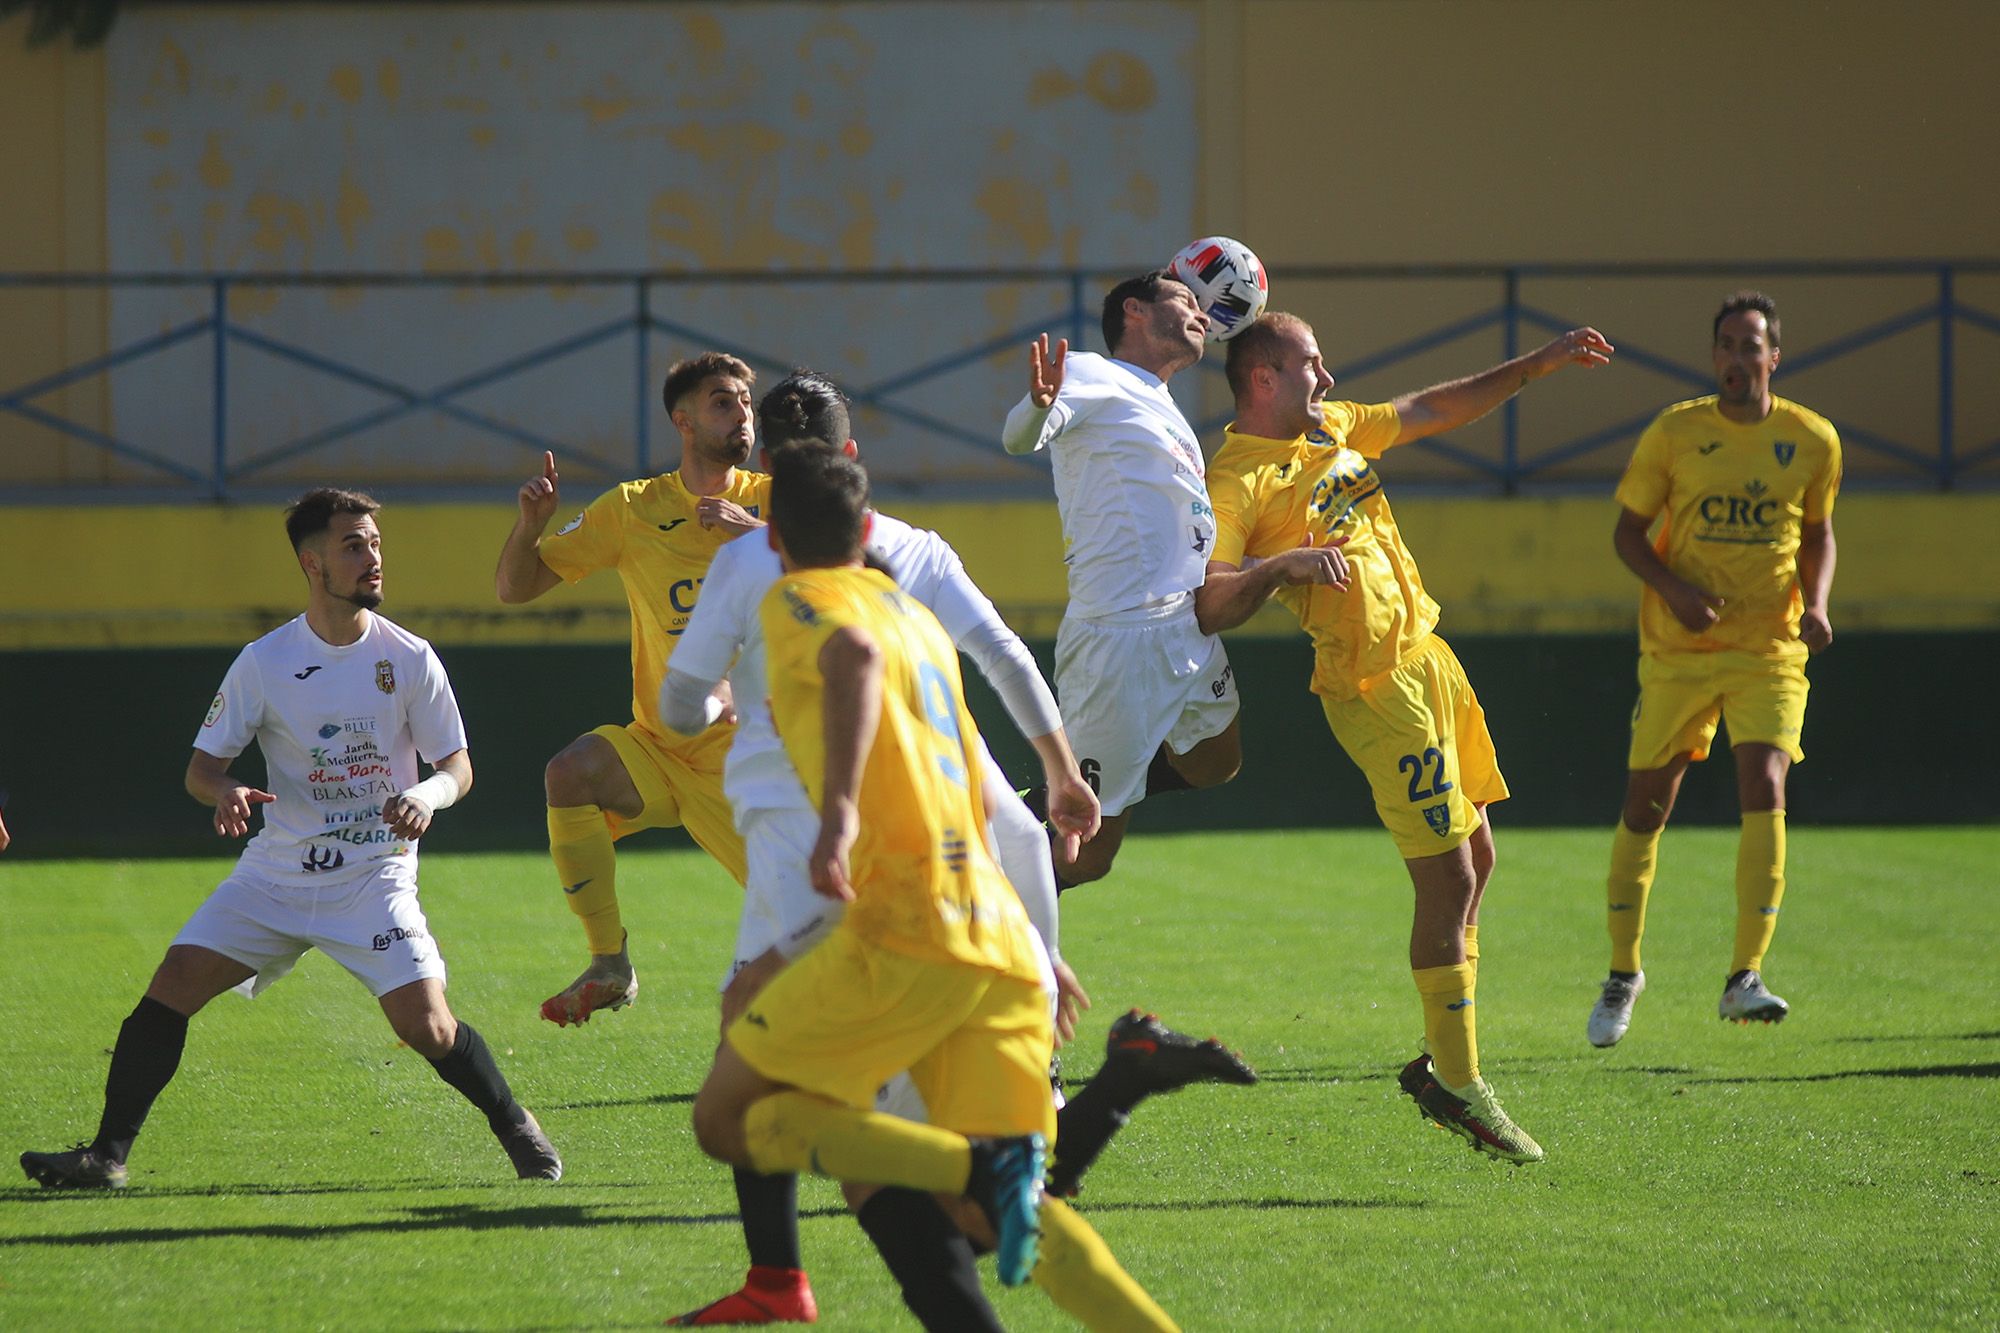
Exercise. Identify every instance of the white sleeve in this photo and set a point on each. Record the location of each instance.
(978, 631)
(1022, 846)
(1030, 428)
(237, 712)
(687, 704)
(435, 723)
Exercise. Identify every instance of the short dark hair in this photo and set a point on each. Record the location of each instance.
(1148, 287)
(819, 504)
(1737, 302)
(312, 513)
(1256, 344)
(684, 377)
(803, 406)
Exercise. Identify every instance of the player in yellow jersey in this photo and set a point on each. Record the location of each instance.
(659, 534)
(933, 967)
(1293, 488)
(1735, 600)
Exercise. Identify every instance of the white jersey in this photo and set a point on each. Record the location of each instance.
(725, 629)
(1137, 527)
(340, 729)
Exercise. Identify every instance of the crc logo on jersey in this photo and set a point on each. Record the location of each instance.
(1729, 516)
(1439, 818)
(322, 858)
(1347, 483)
(385, 676)
(214, 712)
(1785, 450)
(682, 594)
(570, 526)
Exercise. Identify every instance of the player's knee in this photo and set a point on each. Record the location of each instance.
(430, 1034)
(570, 778)
(718, 1128)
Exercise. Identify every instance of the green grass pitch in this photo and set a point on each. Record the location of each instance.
(1842, 1169)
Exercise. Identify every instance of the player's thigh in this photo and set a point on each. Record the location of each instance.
(990, 1076)
(646, 798)
(260, 926)
(375, 928)
(1401, 733)
(1205, 733)
(780, 909)
(1764, 703)
(190, 976)
(683, 786)
(1679, 705)
(846, 1017)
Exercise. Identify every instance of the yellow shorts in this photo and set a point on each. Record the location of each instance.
(1682, 695)
(1419, 735)
(849, 1016)
(677, 790)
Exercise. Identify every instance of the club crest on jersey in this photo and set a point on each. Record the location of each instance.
(385, 676)
(1439, 818)
(1785, 450)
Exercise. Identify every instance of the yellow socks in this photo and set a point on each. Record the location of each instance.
(1634, 857)
(580, 845)
(796, 1131)
(1760, 886)
(1449, 1033)
(1079, 1274)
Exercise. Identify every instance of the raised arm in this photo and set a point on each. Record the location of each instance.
(1036, 419)
(851, 664)
(1444, 407)
(522, 575)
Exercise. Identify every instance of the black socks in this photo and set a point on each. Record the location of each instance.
(769, 1206)
(470, 1069)
(931, 1259)
(142, 1063)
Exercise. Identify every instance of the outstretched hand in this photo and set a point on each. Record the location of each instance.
(1314, 563)
(1582, 347)
(1045, 371)
(232, 812)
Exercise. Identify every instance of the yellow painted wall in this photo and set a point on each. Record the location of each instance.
(51, 220)
(149, 575)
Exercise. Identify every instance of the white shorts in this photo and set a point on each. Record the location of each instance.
(780, 909)
(370, 924)
(1129, 683)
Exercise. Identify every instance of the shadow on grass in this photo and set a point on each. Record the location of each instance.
(438, 1217)
(617, 1104)
(538, 1217)
(1989, 1070)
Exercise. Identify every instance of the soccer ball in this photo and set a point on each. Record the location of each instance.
(1227, 280)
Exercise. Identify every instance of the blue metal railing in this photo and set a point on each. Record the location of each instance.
(1941, 463)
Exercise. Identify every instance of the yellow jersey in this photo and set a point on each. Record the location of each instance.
(925, 883)
(1735, 498)
(1270, 495)
(648, 532)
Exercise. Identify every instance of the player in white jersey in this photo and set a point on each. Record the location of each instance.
(783, 916)
(342, 703)
(1149, 699)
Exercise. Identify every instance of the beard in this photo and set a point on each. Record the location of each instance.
(366, 598)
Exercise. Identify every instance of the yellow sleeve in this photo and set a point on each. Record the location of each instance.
(1369, 429)
(591, 541)
(1819, 497)
(1643, 489)
(1235, 515)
